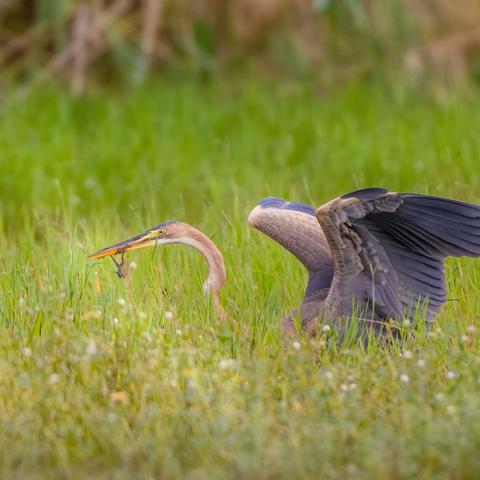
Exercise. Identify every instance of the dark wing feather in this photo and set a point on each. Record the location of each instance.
(389, 249)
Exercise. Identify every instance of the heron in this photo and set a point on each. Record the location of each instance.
(178, 232)
(372, 254)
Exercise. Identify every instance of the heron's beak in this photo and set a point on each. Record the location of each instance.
(139, 241)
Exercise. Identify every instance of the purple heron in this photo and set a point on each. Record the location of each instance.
(372, 254)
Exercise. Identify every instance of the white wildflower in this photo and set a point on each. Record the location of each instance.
(89, 183)
(326, 328)
(407, 354)
(439, 397)
(21, 302)
(53, 378)
(27, 352)
(132, 266)
(296, 345)
(465, 338)
(404, 378)
(329, 375)
(227, 363)
(471, 329)
(142, 315)
(421, 363)
(168, 315)
(91, 348)
(178, 331)
(407, 323)
(122, 302)
(451, 375)
(111, 417)
(116, 322)
(147, 337)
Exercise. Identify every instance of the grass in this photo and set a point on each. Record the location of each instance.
(96, 382)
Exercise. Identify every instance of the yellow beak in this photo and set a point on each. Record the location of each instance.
(140, 241)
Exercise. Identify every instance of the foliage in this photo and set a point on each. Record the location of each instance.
(93, 43)
(98, 381)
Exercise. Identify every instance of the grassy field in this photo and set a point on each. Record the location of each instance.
(97, 381)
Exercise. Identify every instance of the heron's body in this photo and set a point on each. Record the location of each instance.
(385, 250)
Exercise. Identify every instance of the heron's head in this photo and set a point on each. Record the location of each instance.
(167, 232)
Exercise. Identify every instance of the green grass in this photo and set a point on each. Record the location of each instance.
(83, 395)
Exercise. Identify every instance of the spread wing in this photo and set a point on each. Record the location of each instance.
(294, 226)
(389, 250)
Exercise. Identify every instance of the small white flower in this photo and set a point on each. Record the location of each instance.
(168, 315)
(122, 302)
(178, 331)
(89, 183)
(471, 329)
(21, 302)
(421, 363)
(439, 397)
(147, 337)
(142, 315)
(407, 323)
(326, 328)
(404, 378)
(465, 338)
(69, 316)
(116, 322)
(227, 363)
(329, 375)
(27, 352)
(407, 354)
(344, 387)
(296, 345)
(132, 266)
(111, 417)
(451, 375)
(352, 386)
(53, 378)
(438, 330)
(91, 347)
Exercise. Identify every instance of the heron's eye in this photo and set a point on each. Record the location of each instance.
(162, 231)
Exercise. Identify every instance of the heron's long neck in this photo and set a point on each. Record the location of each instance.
(216, 267)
